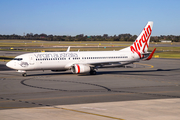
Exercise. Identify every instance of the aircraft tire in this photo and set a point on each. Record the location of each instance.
(93, 72)
(24, 74)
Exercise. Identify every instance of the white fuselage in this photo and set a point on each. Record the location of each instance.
(65, 60)
(82, 62)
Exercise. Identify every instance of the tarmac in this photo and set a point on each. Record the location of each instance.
(144, 91)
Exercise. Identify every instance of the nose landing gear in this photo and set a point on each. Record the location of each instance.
(24, 74)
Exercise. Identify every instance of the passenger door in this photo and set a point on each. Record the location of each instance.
(31, 60)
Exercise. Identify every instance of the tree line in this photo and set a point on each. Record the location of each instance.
(82, 37)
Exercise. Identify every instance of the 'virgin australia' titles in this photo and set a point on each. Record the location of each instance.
(54, 55)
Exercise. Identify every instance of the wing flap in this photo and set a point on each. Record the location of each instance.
(120, 63)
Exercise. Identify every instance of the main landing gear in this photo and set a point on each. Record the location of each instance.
(92, 72)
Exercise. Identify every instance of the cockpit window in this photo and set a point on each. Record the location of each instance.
(18, 59)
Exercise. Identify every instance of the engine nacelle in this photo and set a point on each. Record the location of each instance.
(80, 68)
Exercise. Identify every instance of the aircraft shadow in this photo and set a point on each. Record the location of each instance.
(139, 72)
(126, 72)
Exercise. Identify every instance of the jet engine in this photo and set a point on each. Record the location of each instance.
(80, 68)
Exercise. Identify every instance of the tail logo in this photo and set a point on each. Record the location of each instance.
(142, 43)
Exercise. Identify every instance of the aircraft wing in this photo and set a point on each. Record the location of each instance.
(110, 63)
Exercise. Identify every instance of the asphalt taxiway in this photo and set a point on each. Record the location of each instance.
(147, 90)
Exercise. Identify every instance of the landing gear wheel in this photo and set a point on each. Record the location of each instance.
(93, 72)
(24, 74)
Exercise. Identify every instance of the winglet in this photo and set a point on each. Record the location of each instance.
(68, 49)
(150, 56)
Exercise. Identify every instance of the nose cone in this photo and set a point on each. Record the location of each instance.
(9, 64)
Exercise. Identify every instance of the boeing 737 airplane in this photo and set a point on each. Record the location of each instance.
(85, 61)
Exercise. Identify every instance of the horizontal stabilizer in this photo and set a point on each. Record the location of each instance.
(150, 56)
(147, 53)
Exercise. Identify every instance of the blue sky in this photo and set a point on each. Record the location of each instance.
(89, 17)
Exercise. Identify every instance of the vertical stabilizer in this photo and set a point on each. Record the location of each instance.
(141, 44)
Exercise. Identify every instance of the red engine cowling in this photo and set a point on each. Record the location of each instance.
(80, 68)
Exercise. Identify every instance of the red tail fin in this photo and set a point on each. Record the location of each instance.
(141, 44)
